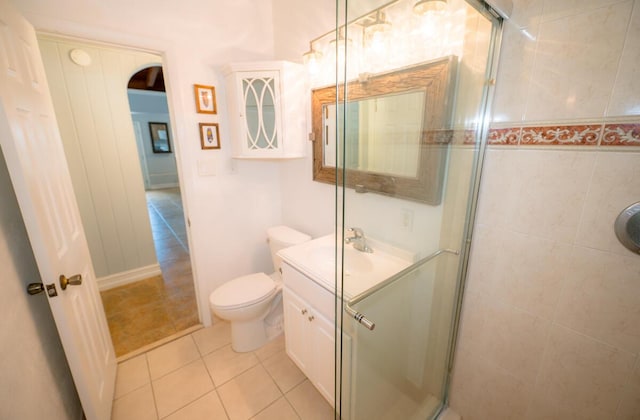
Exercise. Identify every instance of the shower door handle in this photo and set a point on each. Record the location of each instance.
(360, 317)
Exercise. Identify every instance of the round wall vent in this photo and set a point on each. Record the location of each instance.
(80, 57)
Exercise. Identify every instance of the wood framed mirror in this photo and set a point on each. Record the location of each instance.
(396, 127)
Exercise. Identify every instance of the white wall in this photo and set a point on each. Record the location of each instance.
(296, 23)
(307, 206)
(93, 114)
(230, 211)
(36, 380)
(159, 169)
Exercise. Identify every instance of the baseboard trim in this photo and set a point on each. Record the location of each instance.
(163, 186)
(126, 277)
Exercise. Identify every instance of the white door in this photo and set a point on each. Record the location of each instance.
(32, 147)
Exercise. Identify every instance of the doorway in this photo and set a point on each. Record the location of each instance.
(137, 249)
(167, 300)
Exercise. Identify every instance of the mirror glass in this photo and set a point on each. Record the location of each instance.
(385, 135)
(397, 131)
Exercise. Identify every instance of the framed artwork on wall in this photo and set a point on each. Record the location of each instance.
(205, 99)
(209, 136)
(159, 137)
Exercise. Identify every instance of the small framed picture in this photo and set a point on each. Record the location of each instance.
(205, 99)
(159, 137)
(209, 136)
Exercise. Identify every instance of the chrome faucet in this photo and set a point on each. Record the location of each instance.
(358, 240)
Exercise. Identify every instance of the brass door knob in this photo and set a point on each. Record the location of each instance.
(73, 280)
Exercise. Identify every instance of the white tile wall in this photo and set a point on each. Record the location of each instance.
(579, 378)
(550, 325)
(551, 317)
(569, 59)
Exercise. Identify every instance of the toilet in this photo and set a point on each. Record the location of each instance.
(252, 302)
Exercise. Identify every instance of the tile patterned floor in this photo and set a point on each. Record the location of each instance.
(146, 311)
(199, 377)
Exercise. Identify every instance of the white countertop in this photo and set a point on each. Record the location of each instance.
(362, 270)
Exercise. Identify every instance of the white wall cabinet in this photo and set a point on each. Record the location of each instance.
(267, 109)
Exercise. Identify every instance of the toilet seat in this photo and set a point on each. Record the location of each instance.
(243, 291)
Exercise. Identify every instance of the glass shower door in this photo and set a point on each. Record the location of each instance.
(409, 119)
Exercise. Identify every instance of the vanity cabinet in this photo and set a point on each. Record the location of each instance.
(310, 342)
(310, 332)
(267, 108)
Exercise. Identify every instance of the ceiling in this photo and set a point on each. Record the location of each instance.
(150, 78)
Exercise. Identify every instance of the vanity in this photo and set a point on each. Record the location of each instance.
(310, 304)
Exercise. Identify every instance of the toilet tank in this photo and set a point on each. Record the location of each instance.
(281, 237)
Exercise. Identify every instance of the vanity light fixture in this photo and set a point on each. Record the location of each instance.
(376, 30)
(312, 59)
(423, 7)
(379, 25)
(341, 41)
(342, 47)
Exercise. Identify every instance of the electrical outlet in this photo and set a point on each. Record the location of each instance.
(407, 220)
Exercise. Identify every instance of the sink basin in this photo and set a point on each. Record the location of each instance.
(362, 270)
(354, 261)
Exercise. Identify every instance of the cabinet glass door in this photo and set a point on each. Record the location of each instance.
(260, 94)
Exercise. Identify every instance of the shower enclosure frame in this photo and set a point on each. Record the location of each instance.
(481, 136)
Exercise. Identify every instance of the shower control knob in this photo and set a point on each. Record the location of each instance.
(311, 318)
(304, 311)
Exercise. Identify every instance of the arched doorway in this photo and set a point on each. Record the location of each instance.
(166, 302)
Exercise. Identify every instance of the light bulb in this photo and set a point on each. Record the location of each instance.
(423, 7)
(312, 60)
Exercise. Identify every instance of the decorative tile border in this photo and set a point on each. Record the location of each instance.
(566, 135)
(621, 135)
(464, 137)
(456, 137)
(506, 136)
(603, 134)
(469, 137)
(444, 136)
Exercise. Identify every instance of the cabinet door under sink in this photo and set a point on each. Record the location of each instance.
(323, 356)
(296, 329)
(310, 343)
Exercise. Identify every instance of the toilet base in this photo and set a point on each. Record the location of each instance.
(247, 336)
(274, 328)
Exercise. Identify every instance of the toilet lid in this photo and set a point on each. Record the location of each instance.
(243, 291)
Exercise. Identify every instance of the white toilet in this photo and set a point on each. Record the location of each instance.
(246, 301)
